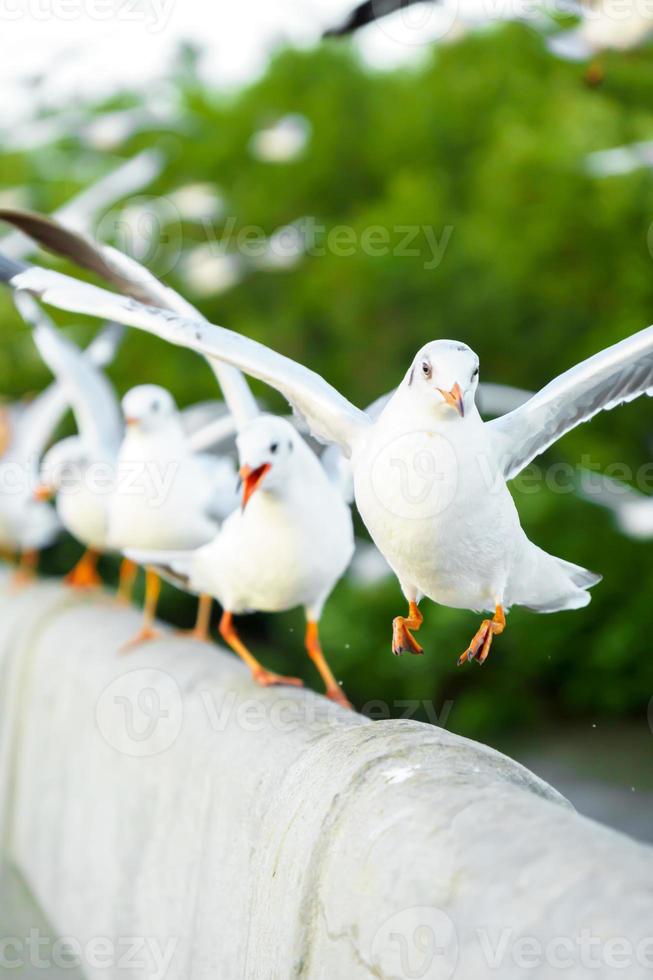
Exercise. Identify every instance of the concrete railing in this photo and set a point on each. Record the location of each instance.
(175, 821)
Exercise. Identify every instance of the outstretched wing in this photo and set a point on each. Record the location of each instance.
(91, 396)
(132, 279)
(614, 376)
(330, 416)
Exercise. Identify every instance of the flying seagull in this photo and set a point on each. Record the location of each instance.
(429, 475)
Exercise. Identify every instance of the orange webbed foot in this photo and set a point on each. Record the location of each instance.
(479, 648)
(403, 640)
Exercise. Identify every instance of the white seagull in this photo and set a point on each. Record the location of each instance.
(429, 475)
(29, 524)
(287, 546)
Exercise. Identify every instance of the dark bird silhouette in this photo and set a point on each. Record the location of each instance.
(366, 13)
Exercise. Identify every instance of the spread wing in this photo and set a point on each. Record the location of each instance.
(91, 396)
(614, 376)
(330, 416)
(132, 279)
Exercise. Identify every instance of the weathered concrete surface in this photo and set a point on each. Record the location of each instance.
(234, 833)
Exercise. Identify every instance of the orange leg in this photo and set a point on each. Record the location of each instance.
(85, 575)
(259, 673)
(479, 648)
(402, 639)
(147, 630)
(127, 577)
(201, 630)
(26, 571)
(314, 648)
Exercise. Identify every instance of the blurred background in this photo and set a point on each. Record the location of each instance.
(345, 200)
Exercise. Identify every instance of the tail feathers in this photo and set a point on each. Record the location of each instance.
(173, 566)
(581, 577)
(552, 584)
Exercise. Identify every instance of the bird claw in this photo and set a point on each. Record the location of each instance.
(266, 678)
(479, 648)
(402, 639)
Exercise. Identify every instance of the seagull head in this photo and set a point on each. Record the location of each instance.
(62, 468)
(148, 407)
(266, 447)
(444, 376)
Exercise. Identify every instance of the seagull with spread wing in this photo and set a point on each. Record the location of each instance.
(430, 476)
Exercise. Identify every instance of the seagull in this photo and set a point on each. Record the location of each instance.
(167, 496)
(66, 468)
(27, 524)
(287, 546)
(430, 476)
(335, 478)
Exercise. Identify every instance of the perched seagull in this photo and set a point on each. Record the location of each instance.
(287, 546)
(67, 467)
(172, 498)
(27, 524)
(308, 524)
(429, 475)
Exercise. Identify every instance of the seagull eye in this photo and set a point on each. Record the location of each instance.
(427, 370)
(475, 373)
(273, 447)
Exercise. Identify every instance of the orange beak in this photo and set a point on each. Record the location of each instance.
(43, 493)
(454, 398)
(129, 420)
(251, 480)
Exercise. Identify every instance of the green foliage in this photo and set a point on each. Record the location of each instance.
(544, 264)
